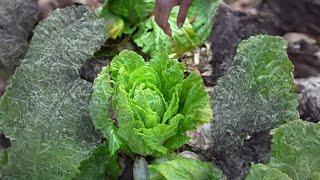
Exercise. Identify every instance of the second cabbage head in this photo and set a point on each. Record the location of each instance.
(154, 105)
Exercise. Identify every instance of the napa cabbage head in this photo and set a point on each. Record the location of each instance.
(153, 104)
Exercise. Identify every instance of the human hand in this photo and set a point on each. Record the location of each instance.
(162, 12)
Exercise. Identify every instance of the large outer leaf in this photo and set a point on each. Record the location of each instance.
(295, 151)
(256, 95)
(182, 168)
(45, 109)
(100, 105)
(17, 18)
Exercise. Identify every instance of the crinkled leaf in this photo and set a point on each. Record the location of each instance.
(182, 168)
(201, 14)
(194, 106)
(144, 75)
(121, 105)
(152, 39)
(131, 139)
(194, 102)
(170, 72)
(99, 109)
(150, 141)
(101, 165)
(173, 107)
(45, 109)
(149, 118)
(128, 61)
(263, 172)
(295, 151)
(177, 141)
(146, 101)
(256, 95)
(17, 19)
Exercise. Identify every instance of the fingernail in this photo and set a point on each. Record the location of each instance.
(180, 24)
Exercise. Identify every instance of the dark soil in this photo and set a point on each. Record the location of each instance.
(90, 70)
(294, 15)
(237, 164)
(304, 53)
(309, 98)
(4, 142)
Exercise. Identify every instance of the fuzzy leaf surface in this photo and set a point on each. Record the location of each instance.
(44, 111)
(256, 95)
(17, 18)
(295, 151)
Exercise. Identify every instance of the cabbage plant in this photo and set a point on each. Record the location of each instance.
(145, 108)
(154, 105)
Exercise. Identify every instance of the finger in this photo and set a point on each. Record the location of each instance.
(183, 11)
(157, 11)
(164, 17)
(96, 4)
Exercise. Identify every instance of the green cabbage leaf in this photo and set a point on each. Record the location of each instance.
(295, 153)
(153, 104)
(263, 172)
(200, 15)
(183, 168)
(256, 95)
(101, 165)
(44, 111)
(132, 11)
(123, 16)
